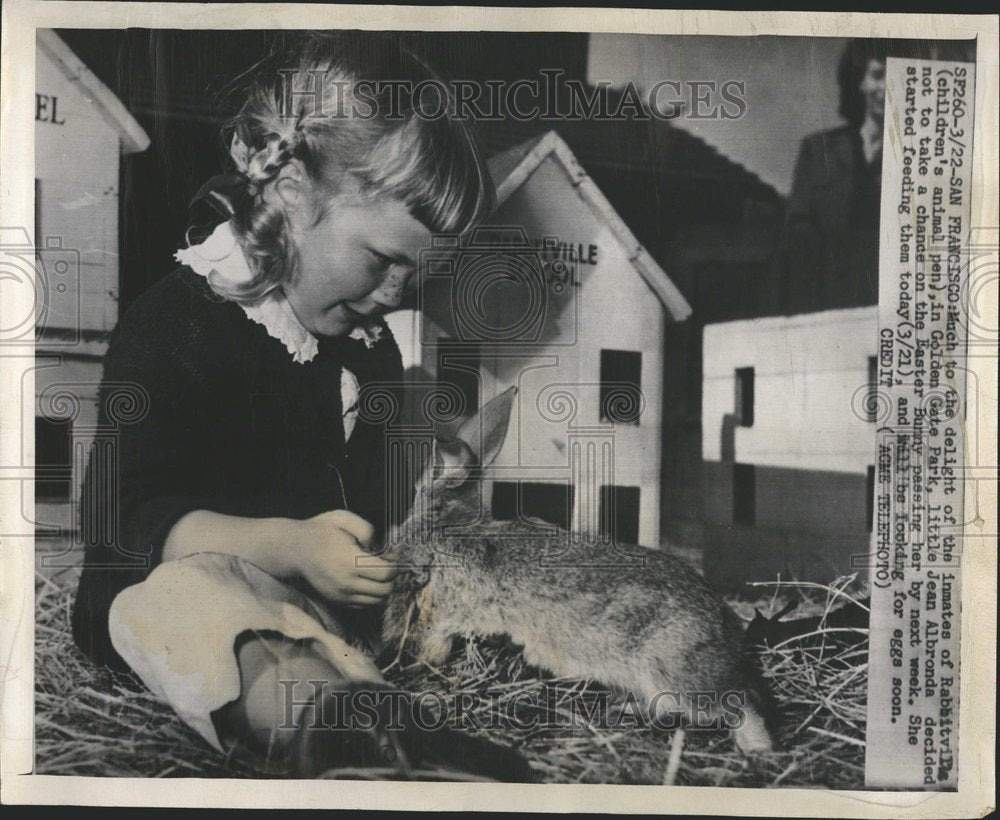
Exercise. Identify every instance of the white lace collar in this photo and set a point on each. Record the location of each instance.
(221, 253)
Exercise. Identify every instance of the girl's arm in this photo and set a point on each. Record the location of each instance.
(326, 551)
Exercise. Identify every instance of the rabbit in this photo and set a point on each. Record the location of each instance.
(647, 628)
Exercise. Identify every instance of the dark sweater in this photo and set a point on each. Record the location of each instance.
(233, 425)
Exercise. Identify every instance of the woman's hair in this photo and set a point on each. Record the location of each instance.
(859, 52)
(357, 108)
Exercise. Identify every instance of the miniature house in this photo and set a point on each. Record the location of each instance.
(789, 418)
(557, 297)
(81, 132)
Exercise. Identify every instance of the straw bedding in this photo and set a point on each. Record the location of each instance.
(89, 722)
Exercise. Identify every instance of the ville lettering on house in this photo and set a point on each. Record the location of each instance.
(584, 448)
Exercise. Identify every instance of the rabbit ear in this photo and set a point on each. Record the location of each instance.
(789, 607)
(453, 461)
(486, 431)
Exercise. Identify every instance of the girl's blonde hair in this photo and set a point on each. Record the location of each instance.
(350, 105)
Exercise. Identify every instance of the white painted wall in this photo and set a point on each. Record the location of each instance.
(616, 310)
(807, 371)
(77, 159)
(76, 163)
(613, 308)
(405, 328)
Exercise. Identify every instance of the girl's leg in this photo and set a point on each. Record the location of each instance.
(298, 714)
(213, 636)
(179, 628)
(277, 676)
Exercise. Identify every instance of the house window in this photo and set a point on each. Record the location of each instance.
(621, 386)
(870, 504)
(53, 457)
(619, 514)
(871, 406)
(458, 366)
(550, 502)
(744, 396)
(744, 494)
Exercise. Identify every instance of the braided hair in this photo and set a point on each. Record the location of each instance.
(349, 105)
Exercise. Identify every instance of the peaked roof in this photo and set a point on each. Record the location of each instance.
(512, 168)
(502, 165)
(133, 138)
(633, 146)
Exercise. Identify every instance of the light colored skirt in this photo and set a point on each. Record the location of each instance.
(178, 631)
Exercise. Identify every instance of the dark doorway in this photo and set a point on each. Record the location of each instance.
(619, 515)
(550, 502)
(621, 386)
(53, 457)
(744, 494)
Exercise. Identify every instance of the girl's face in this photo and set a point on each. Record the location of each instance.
(873, 89)
(359, 261)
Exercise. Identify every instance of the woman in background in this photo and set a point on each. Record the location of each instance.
(827, 255)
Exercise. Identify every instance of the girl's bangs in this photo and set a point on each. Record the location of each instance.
(434, 166)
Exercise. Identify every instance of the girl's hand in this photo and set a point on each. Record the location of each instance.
(330, 558)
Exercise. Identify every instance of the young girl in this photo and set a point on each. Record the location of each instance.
(224, 553)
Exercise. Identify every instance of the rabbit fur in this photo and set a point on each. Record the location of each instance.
(645, 623)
